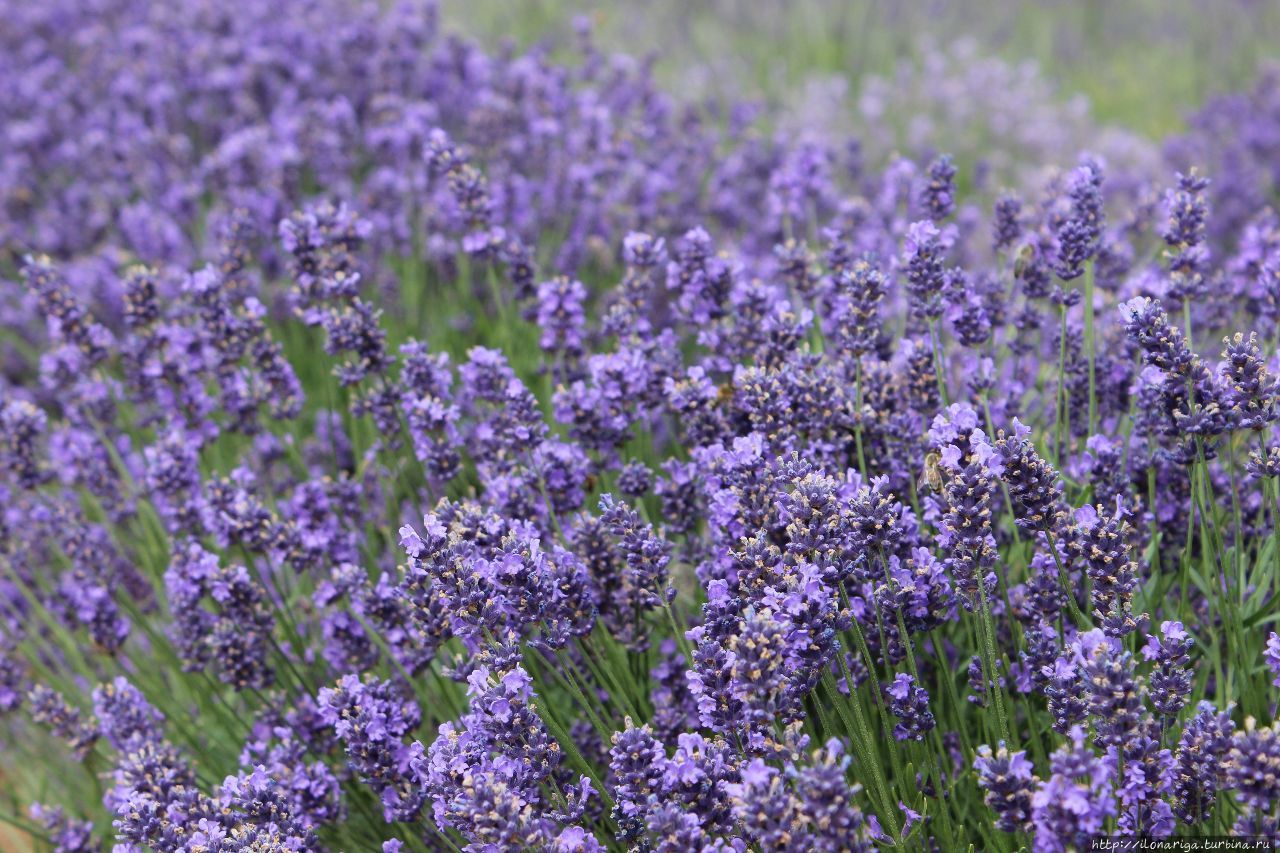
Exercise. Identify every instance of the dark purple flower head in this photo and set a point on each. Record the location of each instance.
(1184, 233)
(636, 760)
(938, 199)
(1079, 233)
(1101, 541)
(700, 278)
(797, 267)
(861, 287)
(769, 813)
(1163, 344)
(49, 708)
(1249, 392)
(1115, 697)
(1073, 805)
(1148, 777)
(922, 255)
(69, 322)
(68, 834)
(220, 616)
(1200, 770)
(1264, 464)
(965, 531)
(1006, 225)
(910, 704)
(125, 717)
(635, 479)
(1271, 654)
(1008, 780)
(1253, 765)
(917, 586)
(141, 302)
(1066, 692)
(1035, 488)
(827, 801)
(1171, 678)
(643, 584)
(372, 719)
(1185, 387)
(560, 316)
(21, 425)
(485, 774)
(322, 242)
(260, 814)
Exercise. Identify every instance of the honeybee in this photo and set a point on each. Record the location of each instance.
(1024, 258)
(931, 475)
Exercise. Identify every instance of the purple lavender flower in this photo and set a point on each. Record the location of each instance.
(560, 316)
(636, 759)
(484, 774)
(861, 287)
(1249, 389)
(1271, 654)
(938, 196)
(1102, 543)
(1034, 486)
(700, 279)
(910, 704)
(1184, 233)
(1200, 772)
(1253, 770)
(1115, 703)
(635, 479)
(372, 720)
(674, 708)
(1072, 806)
(920, 589)
(69, 323)
(125, 717)
(235, 635)
(1006, 226)
(21, 425)
(966, 527)
(1148, 777)
(1066, 693)
(1171, 678)
(309, 787)
(1079, 232)
(769, 812)
(13, 678)
(1188, 389)
(643, 583)
(922, 254)
(827, 802)
(261, 814)
(1008, 781)
(68, 834)
(49, 708)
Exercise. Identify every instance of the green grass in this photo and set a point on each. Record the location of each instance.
(1142, 64)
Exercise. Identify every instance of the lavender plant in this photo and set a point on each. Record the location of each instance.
(408, 447)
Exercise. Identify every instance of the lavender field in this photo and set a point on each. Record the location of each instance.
(649, 427)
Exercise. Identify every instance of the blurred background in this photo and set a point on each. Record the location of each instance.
(1141, 64)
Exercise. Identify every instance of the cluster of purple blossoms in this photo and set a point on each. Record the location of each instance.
(909, 703)
(1008, 780)
(1080, 230)
(234, 635)
(372, 719)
